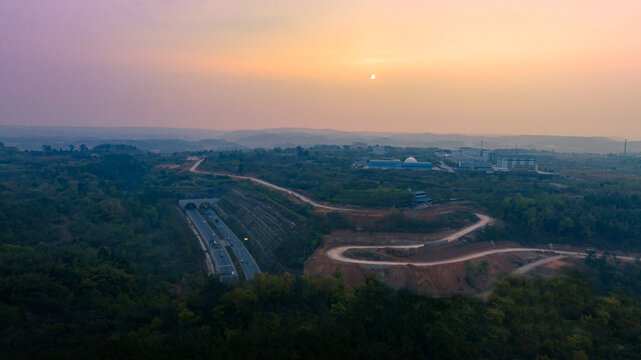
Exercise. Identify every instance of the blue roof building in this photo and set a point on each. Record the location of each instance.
(409, 163)
(385, 164)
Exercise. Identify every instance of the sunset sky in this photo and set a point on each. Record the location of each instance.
(562, 67)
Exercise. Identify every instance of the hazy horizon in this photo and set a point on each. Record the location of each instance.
(570, 68)
(617, 138)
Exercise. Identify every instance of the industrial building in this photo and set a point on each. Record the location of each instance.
(412, 163)
(474, 164)
(472, 158)
(474, 153)
(409, 163)
(516, 162)
(385, 164)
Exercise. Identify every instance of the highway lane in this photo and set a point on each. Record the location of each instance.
(208, 260)
(224, 264)
(247, 262)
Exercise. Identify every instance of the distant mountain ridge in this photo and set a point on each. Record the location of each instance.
(171, 140)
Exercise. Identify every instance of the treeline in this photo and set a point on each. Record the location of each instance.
(602, 220)
(323, 171)
(596, 211)
(88, 243)
(297, 317)
(326, 174)
(400, 222)
(95, 262)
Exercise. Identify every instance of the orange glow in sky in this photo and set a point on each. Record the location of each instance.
(564, 67)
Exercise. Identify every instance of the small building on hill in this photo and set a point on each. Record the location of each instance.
(421, 200)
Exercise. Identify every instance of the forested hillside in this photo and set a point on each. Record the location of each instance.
(600, 209)
(96, 261)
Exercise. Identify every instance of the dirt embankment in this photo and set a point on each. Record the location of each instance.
(472, 277)
(457, 278)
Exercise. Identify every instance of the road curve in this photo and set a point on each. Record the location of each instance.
(531, 266)
(337, 253)
(299, 196)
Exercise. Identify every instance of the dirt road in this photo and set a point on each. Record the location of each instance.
(301, 197)
(531, 266)
(337, 252)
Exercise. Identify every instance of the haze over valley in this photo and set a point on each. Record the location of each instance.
(277, 179)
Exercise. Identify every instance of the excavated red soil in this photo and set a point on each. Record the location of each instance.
(433, 280)
(445, 279)
(346, 237)
(166, 166)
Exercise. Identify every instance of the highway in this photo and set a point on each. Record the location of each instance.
(224, 264)
(209, 263)
(247, 262)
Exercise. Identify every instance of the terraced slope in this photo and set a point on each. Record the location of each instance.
(262, 223)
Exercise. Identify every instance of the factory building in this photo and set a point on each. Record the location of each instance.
(412, 163)
(516, 162)
(474, 164)
(474, 153)
(385, 164)
(472, 158)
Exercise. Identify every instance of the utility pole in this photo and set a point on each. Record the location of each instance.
(625, 146)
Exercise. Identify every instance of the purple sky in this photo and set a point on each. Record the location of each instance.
(563, 67)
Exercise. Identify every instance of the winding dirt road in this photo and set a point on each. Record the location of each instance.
(299, 196)
(337, 253)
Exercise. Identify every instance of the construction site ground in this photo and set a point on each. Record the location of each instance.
(446, 279)
(475, 276)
